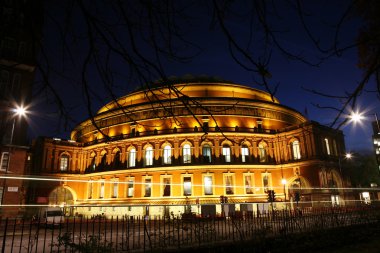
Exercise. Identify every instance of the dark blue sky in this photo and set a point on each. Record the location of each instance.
(334, 75)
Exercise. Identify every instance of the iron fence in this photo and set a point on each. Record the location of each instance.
(140, 234)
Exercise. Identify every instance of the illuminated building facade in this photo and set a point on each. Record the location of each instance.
(191, 146)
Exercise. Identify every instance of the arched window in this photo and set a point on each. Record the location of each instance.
(103, 161)
(244, 153)
(226, 152)
(262, 153)
(206, 153)
(64, 162)
(296, 150)
(148, 156)
(186, 152)
(116, 159)
(132, 158)
(167, 155)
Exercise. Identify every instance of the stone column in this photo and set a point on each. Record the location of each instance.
(73, 165)
(196, 147)
(55, 163)
(217, 147)
(123, 153)
(176, 149)
(139, 152)
(157, 150)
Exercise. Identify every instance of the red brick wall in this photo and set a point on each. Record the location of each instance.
(17, 165)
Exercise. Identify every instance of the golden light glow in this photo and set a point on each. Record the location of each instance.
(162, 184)
(20, 111)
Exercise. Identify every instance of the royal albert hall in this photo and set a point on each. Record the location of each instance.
(210, 148)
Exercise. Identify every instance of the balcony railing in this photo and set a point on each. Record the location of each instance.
(174, 162)
(181, 130)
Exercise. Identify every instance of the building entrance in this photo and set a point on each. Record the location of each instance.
(63, 197)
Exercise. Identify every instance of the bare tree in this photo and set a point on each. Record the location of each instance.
(101, 48)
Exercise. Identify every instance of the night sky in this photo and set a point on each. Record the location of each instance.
(334, 75)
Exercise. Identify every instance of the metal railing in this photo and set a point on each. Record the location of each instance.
(140, 234)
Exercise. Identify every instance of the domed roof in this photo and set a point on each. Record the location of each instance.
(172, 91)
(156, 106)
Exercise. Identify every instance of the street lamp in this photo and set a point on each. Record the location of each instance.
(19, 111)
(356, 117)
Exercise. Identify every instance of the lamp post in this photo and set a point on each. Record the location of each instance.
(19, 111)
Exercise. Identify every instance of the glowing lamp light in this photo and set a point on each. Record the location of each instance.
(356, 117)
(20, 111)
(348, 155)
(283, 181)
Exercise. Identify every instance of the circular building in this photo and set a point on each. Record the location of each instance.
(210, 148)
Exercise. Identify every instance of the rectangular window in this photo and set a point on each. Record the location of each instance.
(206, 152)
(4, 161)
(296, 150)
(166, 192)
(90, 190)
(115, 189)
(248, 184)
(149, 156)
(226, 151)
(335, 200)
(262, 154)
(64, 163)
(208, 185)
(148, 187)
(132, 158)
(266, 182)
(187, 186)
(186, 153)
(101, 194)
(167, 159)
(228, 182)
(130, 190)
(244, 154)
